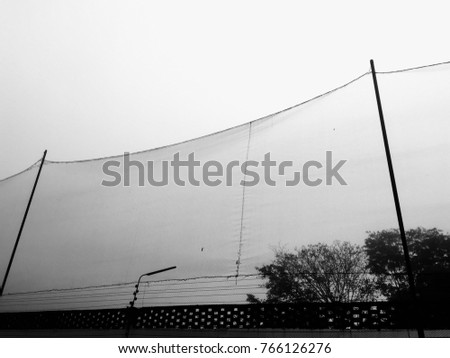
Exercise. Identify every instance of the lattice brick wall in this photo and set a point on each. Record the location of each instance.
(376, 315)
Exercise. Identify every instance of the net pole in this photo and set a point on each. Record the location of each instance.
(22, 225)
(412, 286)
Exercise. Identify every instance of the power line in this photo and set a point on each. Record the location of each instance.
(126, 294)
(159, 282)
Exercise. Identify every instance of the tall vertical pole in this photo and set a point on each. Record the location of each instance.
(412, 286)
(22, 225)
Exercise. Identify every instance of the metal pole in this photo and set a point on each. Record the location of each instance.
(131, 309)
(412, 286)
(22, 224)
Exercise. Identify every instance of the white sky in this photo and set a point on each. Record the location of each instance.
(87, 79)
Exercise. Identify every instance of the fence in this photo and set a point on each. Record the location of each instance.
(369, 315)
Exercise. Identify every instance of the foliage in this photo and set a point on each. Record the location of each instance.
(429, 250)
(318, 273)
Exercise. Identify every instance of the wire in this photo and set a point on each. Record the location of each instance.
(110, 286)
(244, 124)
(221, 131)
(127, 294)
(241, 230)
(171, 285)
(414, 68)
(22, 171)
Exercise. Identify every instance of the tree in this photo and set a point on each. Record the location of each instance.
(318, 273)
(429, 251)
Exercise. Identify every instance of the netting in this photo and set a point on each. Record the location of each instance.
(15, 192)
(85, 244)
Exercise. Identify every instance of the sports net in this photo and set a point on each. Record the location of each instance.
(85, 244)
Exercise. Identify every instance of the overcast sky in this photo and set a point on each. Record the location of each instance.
(87, 79)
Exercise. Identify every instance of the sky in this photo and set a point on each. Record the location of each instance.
(89, 79)
(86, 79)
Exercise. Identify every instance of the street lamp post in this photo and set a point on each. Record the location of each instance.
(136, 291)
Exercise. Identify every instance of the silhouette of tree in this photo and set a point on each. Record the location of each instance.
(429, 251)
(318, 273)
